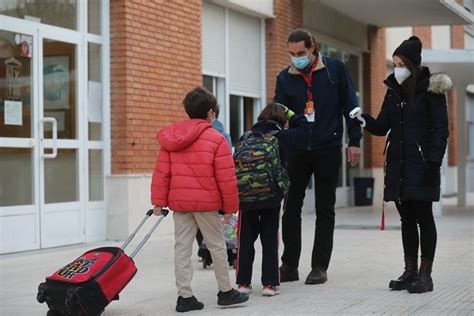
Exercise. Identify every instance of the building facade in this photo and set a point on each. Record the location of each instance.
(86, 84)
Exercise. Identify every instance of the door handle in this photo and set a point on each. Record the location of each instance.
(54, 123)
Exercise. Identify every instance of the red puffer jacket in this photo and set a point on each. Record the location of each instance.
(194, 170)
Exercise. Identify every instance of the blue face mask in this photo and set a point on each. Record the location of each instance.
(300, 62)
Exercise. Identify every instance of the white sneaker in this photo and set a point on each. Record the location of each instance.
(244, 289)
(269, 290)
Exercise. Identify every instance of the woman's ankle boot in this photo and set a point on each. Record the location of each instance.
(408, 276)
(423, 282)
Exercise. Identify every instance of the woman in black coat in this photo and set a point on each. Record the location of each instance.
(414, 115)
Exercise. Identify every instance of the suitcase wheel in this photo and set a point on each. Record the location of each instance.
(41, 296)
(71, 301)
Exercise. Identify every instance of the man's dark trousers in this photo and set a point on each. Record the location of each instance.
(324, 164)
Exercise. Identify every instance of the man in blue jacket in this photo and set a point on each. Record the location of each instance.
(321, 88)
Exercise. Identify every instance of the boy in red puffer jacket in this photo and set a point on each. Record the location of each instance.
(195, 177)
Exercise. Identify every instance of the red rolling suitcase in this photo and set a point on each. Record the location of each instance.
(89, 283)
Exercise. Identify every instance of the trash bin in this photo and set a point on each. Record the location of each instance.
(363, 191)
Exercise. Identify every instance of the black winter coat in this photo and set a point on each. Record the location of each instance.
(334, 97)
(417, 138)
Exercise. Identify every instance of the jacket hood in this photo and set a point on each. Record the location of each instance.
(218, 126)
(181, 134)
(440, 83)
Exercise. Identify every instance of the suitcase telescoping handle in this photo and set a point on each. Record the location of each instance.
(164, 212)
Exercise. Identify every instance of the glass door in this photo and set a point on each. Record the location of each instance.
(19, 155)
(41, 139)
(60, 139)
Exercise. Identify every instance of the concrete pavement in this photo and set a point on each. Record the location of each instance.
(364, 260)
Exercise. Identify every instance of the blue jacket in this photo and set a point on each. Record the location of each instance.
(334, 97)
(218, 126)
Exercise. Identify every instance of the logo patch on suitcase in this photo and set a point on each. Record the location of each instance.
(81, 265)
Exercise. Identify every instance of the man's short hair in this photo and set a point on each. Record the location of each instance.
(299, 35)
(198, 102)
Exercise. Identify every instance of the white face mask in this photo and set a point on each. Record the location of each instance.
(401, 74)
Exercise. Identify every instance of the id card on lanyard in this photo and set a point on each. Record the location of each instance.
(309, 109)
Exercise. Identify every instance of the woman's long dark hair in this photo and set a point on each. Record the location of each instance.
(409, 85)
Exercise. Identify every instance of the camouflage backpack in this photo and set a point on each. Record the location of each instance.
(260, 175)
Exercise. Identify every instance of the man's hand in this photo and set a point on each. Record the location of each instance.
(353, 155)
(157, 211)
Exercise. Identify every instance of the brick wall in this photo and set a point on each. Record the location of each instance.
(155, 51)
(288, 16)
(457, 36)
(457, 42)
(457, 33)
(452, 115)
(424, 34)
(374, 73)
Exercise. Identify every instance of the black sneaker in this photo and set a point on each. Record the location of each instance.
(231, 297)
(288, 274)
(317, 276)
(188, 304)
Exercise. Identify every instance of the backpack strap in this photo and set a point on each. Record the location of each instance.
(272, 132)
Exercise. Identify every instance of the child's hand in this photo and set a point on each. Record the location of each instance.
(227, 218)
(157, 211)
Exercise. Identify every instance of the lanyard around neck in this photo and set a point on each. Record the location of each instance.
(309, 78)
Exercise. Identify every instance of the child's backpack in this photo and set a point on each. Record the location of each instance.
(260, 174)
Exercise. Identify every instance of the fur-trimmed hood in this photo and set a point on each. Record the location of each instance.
(440, 83)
